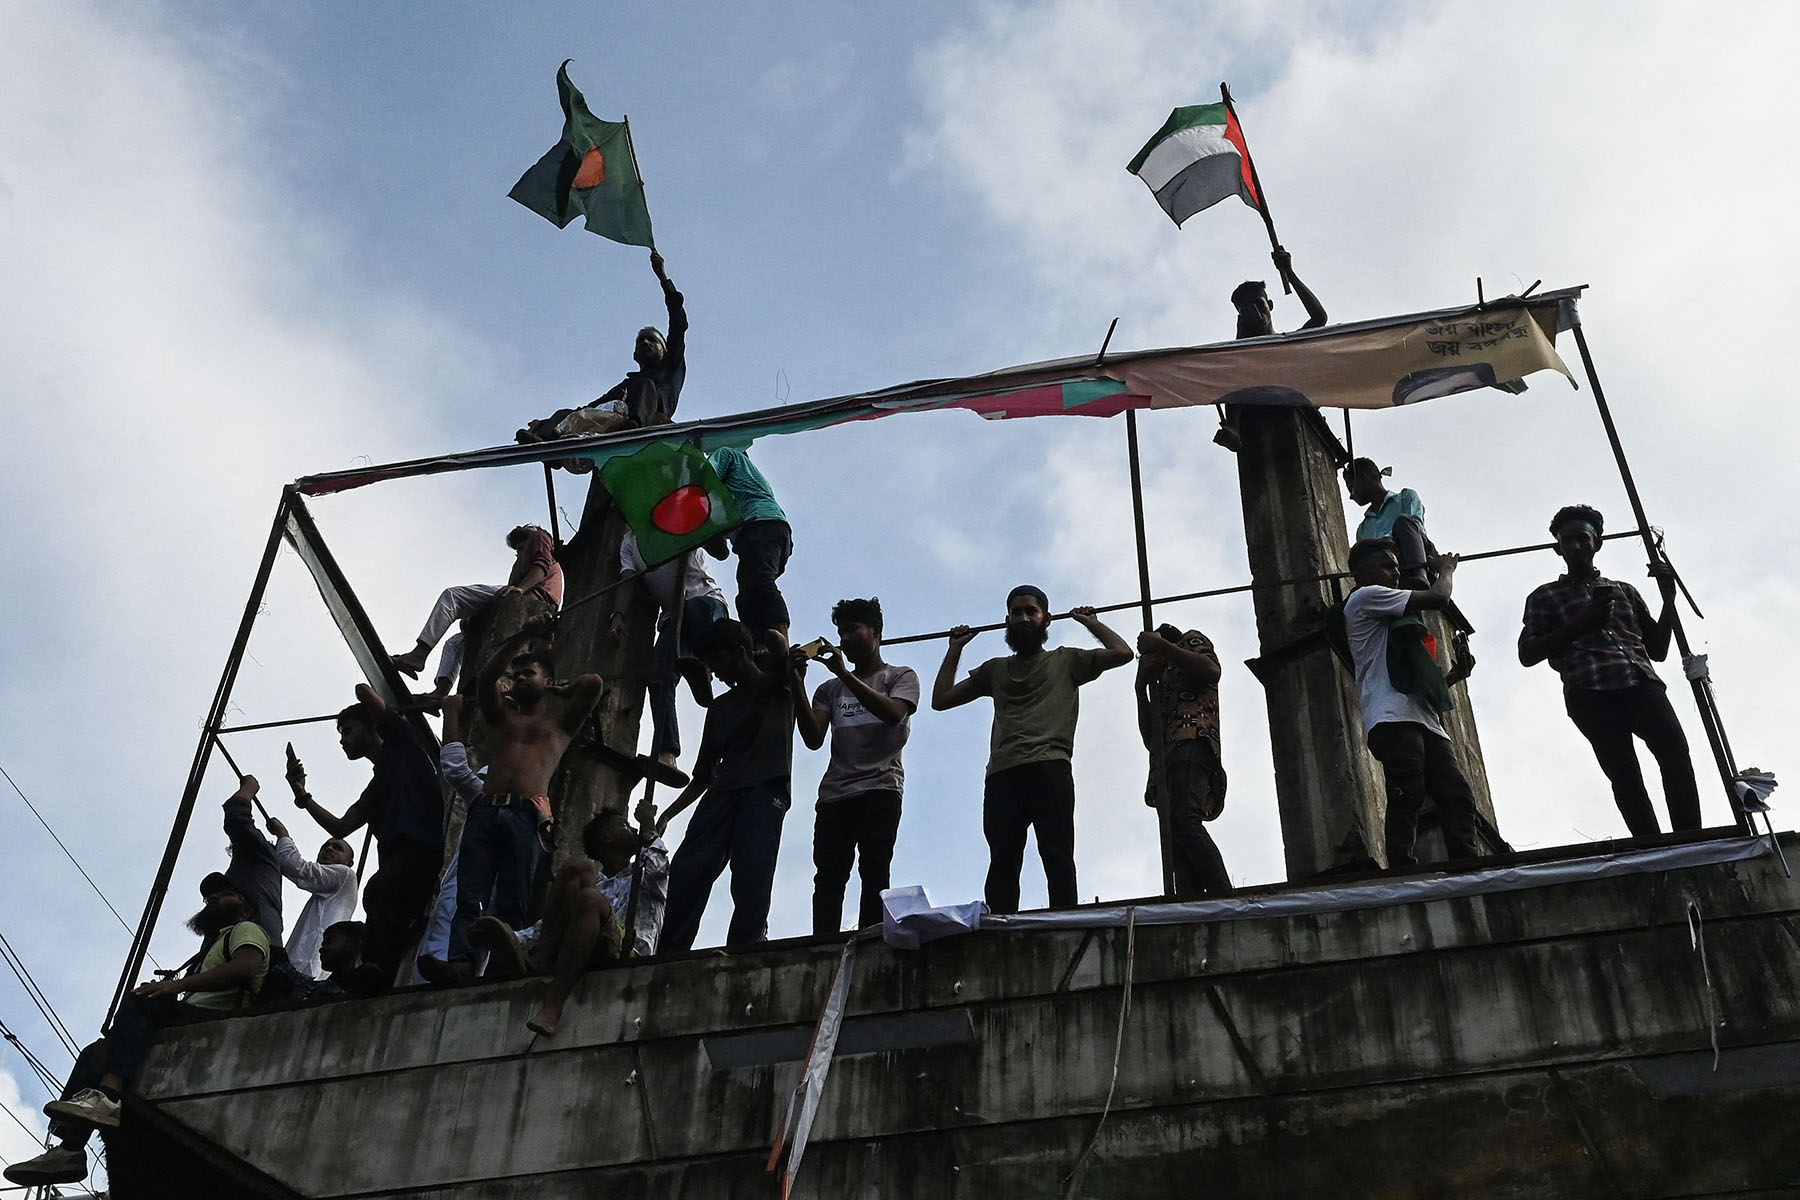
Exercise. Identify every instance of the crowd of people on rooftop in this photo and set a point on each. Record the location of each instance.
(493, 899)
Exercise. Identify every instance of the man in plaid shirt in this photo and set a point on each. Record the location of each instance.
(1599, 635)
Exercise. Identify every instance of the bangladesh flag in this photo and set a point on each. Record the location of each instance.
(672, 498)
(1196, 160)
(591, 173)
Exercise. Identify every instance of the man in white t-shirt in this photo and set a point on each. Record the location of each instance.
(1403, 692)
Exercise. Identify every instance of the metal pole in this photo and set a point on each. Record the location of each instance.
(1159, 751)
(184, 812)
(550, 494)
(1703, 695)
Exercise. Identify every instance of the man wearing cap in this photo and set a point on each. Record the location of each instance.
(1397, 515)
(229, 973)
(1600, 637)
(646, 396)
(1030, 781)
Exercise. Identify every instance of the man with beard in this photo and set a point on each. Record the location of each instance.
(741, 781)
(508, 827)
(646, 396)
(1030, 779)
(1599, 636)
(404, 808)
(230, 972)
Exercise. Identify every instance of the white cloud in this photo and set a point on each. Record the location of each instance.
(1600, 147)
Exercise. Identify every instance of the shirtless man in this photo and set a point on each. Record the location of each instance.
(509, 822)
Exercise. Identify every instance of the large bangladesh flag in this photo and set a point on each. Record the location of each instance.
(672, 498)
(1196, 160)
(591, 173)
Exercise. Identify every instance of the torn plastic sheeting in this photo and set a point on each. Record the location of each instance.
(905, 930)
(908, 919)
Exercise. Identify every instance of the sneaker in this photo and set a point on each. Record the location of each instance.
(61, 1164)
(445, 973)
(90, 1106)
(506, 957)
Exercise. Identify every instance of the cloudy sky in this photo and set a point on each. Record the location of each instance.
(242, 243)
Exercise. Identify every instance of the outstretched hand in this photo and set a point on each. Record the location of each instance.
(296, 777)
(960, 636)
(1085, 614)
(660, 267)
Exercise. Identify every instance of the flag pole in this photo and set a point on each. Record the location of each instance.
(1262, 197)
(643, 195)
(1159, 751)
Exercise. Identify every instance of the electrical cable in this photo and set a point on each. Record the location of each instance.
(38, 998)
(126, 925)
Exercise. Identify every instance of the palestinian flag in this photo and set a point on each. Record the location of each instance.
(591, 173)
(1196, 160)
(672, 498)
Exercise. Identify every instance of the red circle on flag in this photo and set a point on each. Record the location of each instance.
(682, 511)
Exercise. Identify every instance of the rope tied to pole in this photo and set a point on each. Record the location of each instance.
(1072, 1181)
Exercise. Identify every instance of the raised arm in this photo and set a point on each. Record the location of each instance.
(1438, 594)
(247, 842)
(1115, 651)
(676, 346)
(305, 874)
(1146, 707)
(579, 695)
(343, 826)
(946, 692)
(811, 720)
(1315, 312)
(487, 684)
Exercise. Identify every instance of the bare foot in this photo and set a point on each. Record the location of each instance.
(412, 662)
(544, 1024)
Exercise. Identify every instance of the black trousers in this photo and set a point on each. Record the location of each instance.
(1037, 796)
(1609, 720)
(763, 549)
(397, 901)
(861, 829)
(740, 828)
(1420, 764)
(1199, 868)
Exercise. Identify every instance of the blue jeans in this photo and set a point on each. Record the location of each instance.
(742, 828)
(499, 854)
(697, 615)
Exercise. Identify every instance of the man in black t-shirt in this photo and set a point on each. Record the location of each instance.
(403, 806)
(741, 779)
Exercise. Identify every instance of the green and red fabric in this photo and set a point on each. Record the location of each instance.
(1197, 159)
(591, 173)
(671, 497)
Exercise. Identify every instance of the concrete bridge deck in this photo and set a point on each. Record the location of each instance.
(1546, 1042)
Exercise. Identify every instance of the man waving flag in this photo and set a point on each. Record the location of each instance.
(591, 173)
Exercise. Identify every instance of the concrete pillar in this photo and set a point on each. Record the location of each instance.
(1328, 790)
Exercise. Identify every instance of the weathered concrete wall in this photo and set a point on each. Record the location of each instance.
(1545, 1043)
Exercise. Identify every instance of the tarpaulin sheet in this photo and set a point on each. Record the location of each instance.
(908, 925)
(1365, 364)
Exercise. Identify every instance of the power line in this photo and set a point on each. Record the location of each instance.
(36, 993)
(126, 925)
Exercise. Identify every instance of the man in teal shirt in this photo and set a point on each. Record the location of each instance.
(1398, 516)
(762, 543)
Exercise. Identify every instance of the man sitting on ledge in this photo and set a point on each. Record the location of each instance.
(231, 972)
(584, 918)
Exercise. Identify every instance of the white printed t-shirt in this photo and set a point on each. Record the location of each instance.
(1367, 615)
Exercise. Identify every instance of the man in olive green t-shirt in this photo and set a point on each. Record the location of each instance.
(1030, 782)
